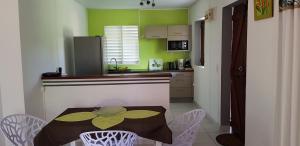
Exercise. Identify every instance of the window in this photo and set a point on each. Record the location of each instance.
(202, 40)
(199, 52)
(121, 43)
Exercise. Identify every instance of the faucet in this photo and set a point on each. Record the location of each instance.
(116, 65)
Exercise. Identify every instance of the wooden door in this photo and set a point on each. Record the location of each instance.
(238, 71)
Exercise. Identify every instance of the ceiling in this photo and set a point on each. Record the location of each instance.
(134, 4)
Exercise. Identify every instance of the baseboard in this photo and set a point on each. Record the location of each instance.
(208, 117)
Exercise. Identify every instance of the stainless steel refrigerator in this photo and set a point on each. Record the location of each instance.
(88, 56)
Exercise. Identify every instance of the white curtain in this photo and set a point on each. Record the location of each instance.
(289, 84)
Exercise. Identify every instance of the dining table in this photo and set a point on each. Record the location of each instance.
(146, 121)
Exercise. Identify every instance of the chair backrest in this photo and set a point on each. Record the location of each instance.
(21, 129)
(185, 127)
(108, 138)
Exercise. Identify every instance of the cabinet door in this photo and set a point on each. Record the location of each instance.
(156, 32)
(177, 92)
(182, 80)
(182, 85)
(178, 30)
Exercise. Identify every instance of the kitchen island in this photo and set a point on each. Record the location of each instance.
(146, 89)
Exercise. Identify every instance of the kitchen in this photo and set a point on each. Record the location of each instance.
(48, 30)
(38, 37)
(124, 51)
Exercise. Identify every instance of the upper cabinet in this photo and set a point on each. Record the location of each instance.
(156, 32)
(171, 32)
(178, 30)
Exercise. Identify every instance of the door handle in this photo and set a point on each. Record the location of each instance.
(241, 69)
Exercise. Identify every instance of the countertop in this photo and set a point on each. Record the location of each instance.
(109, 76)
(132, 71)
(124, 75)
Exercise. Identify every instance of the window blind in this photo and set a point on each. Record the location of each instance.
(121, 43)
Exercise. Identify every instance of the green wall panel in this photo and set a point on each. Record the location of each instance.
(149, 48)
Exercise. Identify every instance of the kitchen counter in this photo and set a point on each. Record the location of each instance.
(147, 71)
(121, 74)
(108, 79)
(136, 89)
(114, 76)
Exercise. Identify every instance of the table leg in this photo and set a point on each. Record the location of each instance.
(157, 143)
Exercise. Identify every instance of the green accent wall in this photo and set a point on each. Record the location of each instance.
(149, 48)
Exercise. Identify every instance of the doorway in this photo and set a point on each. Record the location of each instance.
(233, 88)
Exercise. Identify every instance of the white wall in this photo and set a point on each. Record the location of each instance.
(11, 82)
(1, 115)
(72, 21)
(262, 61)
(39, 50)
(43, 25)
(262, 66)
(208, 79)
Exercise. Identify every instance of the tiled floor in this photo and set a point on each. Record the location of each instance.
(208, 131)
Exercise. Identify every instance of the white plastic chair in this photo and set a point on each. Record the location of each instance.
(21, 129)
(185, 128)
(108, 138)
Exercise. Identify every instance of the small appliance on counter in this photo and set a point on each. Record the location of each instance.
(58, 73)
(172, 65)
(187, 63)
(180, 64)
(156, 64)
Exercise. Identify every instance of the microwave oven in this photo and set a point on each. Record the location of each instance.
(178, 45)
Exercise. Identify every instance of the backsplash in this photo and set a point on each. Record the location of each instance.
(149, 48)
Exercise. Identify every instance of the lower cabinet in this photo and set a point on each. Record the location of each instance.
(181, 87)
(181, 92)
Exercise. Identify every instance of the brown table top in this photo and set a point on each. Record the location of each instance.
(58, 133)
